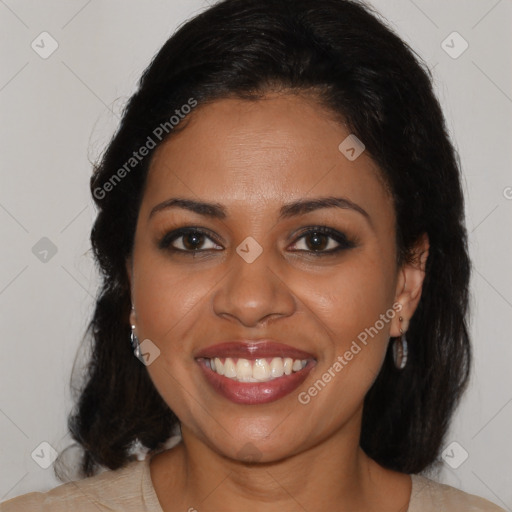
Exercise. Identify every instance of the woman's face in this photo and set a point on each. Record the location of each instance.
(257, 272)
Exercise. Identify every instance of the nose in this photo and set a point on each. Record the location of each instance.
(253, 293)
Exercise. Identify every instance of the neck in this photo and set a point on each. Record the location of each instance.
(335, 475)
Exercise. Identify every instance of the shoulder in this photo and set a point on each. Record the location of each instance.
(119, 490)
(428, 495)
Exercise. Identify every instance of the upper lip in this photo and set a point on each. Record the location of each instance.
(252, 349)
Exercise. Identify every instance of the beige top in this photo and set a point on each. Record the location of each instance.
(130, 489)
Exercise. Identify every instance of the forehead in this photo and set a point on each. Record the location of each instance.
(252, 153)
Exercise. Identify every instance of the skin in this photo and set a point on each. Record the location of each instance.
(252, 157)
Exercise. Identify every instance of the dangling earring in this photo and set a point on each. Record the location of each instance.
(400, 350)
(134, 340)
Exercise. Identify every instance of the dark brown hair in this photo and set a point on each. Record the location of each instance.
(369, 76)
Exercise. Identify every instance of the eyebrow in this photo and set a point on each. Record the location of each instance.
(294, 209)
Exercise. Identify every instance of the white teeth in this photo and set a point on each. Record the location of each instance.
(288, 363)
(243, 370)
(219, 367)
(229, 368)
(297, 365)
(259, 370)
(276, 367)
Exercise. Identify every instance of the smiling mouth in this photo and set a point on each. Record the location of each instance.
(255, 381)
(251, 372)
(254, 370)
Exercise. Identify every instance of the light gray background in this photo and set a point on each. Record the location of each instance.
(57, 115)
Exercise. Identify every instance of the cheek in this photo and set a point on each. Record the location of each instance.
(167, 298)
(352, 299)
(355, 306)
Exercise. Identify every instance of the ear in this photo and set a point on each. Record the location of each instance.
(409, 285)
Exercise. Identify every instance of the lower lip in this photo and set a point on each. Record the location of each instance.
(252, 393)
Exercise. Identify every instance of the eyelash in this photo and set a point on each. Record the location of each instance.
(340, 238)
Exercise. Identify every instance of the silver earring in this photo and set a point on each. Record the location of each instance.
(400, 350)
(135, 342)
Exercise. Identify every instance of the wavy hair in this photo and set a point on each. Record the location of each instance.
(362, 72)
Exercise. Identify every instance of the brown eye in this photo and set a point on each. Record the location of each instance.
(317, 241)
(323, 240)
(187, 240)
(192, 240)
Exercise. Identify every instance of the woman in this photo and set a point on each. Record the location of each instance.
(282, 242)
